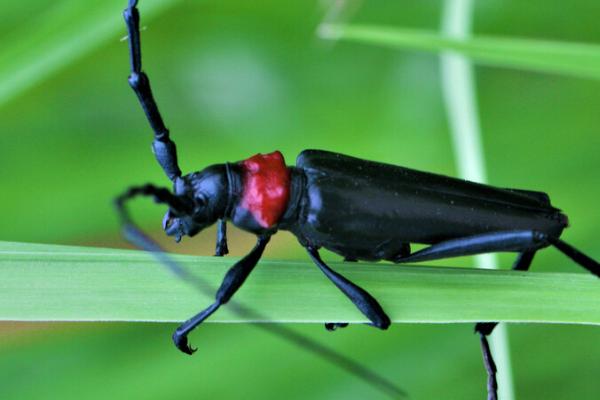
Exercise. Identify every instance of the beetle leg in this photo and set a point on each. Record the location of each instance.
(234, 278)
(515, 241)
(525, 242)
(361, 299)
(586, 262)
(521, 264)
(332, 326)
(490, 368)
(485, 328)
(221, 248)
(163, 147)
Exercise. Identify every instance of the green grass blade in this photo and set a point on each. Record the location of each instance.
(576, 59)
(61, 283)
(60, 35)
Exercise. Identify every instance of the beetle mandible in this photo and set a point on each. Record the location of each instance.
(361, 210)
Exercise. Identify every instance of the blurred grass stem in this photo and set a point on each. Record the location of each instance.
(458, 87)
(567, 58)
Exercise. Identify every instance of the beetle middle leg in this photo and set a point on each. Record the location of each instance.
(361, 299)
(221, 248)
(333, 326)
(233, 280)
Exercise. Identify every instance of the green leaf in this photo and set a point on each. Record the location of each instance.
(576, 59)
(60, 283)
(58, 35)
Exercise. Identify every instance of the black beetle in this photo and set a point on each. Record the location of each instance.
(361, 210)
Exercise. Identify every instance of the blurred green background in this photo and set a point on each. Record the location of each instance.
(234, 78)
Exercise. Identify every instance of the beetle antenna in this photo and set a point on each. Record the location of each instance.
(138, 238)
(163, 147)
(161, 195)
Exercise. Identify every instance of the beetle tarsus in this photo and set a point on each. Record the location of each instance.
(332, 326)
(181, 342)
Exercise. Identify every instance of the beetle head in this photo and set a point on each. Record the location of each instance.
(203, 198)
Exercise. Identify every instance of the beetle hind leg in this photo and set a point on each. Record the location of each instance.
(522, 264)
(490, 367)
(484, 329)
(583, 260)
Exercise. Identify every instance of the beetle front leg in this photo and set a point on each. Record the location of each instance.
(221, 248)
(361, 299)
(233, 280)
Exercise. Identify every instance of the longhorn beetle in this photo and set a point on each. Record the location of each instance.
(361, 210)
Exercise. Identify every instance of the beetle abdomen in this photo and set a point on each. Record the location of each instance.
(374, 209)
